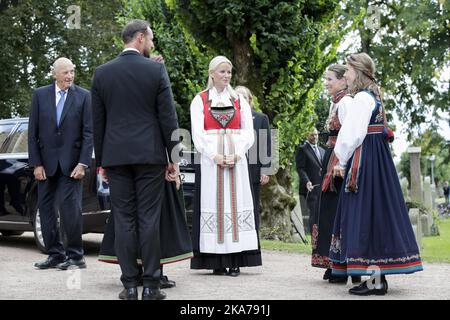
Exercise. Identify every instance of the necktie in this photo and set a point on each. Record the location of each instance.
(60, 106)
(316, 150)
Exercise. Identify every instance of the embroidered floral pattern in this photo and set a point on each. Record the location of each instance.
(314, 236)
(321, 261)
(379, 118)
(335, 244)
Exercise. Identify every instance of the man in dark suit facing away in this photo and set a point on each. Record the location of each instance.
(309, 168)
(60, 150)
(134, 117)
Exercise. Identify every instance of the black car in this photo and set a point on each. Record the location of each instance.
(18, 189)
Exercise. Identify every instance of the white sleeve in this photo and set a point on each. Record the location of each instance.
(246, 138)
(343, 106)
(202, 141)
(354, 127)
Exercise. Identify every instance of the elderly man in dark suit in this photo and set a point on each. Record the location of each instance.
(309, 168)
(60, 150)
(134, 118)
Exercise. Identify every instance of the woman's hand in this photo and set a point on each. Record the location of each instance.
(338, 171)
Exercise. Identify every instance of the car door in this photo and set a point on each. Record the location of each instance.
(15, 176)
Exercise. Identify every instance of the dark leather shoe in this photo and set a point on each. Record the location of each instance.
(220, 272)
(165, 283)
(338, 279)
(363, 290)
(234, 272)
(129, 294)
(49, 263)
(327, 274)
(152, 294)
(72, 264)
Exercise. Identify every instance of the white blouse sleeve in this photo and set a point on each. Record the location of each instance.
(246, 138)
(343, 106)
(354, 127)
(203, 143)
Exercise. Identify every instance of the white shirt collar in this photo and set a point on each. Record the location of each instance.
(222, 97)
(131, 49)
(58, 89)
(312, 145)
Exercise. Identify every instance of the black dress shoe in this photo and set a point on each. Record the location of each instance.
(338, 279)
(165, 283)
(327, 274)
(152, 294)
(363, 290)
(72, 264)
(220, 272)
(234, 272)
(129, 294)
(49, 263)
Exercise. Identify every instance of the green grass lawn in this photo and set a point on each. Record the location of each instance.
(437, 249)
(434, 249)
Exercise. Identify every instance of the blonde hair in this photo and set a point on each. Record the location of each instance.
(246, 93)
(213, 65)
(365, 70)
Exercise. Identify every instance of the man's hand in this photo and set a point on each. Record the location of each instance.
(172, 172)
(309, 186)
(158, 58)
(264, 179)
(338, 171)
(79, 172)
(39, 173)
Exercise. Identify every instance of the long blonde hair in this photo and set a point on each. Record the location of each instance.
(213, 65)
(365, 70)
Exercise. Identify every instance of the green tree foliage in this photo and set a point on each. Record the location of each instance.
(280, 50)
(186, 59)
(35, 33)
(410, 43)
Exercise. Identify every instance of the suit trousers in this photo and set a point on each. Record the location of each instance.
(136, 195)
(256, 190)
(61, 194)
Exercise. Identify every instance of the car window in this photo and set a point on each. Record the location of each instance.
(19, 140)
(5, 130)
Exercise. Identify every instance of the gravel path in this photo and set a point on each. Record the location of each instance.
(284, 276)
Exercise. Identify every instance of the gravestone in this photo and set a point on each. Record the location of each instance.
(416, 181)
(427, 193)
(414, 217)
(405, 190)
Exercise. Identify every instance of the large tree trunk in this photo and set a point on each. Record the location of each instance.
(276, 197)
(277, 205)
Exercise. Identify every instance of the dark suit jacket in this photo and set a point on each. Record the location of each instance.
(309, 168)
(67, 145)
(133, 111)
(260, 121)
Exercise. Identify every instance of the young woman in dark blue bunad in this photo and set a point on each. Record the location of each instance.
(372, 233)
